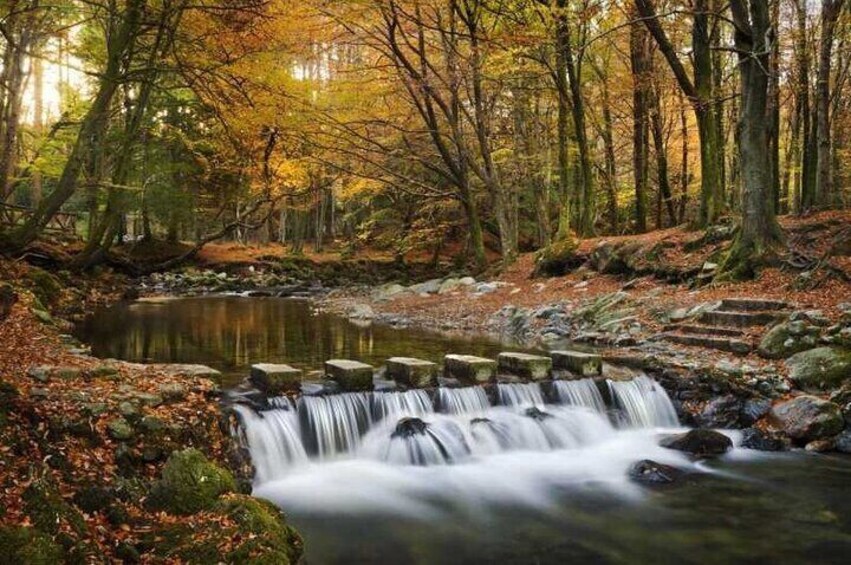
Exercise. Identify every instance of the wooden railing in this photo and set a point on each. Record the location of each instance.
(62, 222)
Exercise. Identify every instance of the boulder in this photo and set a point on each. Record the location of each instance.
(784, 340)
(412, 372)
(429, 287)
(843, 442)
(449, 285)
(389, 291)
(652, 473)
(190, 483)
(700, 443)
(808, 418)
(822, 368)
(172, 392)
(275, 379)
(722, 412)
(120, 429)
(350, 375)
(753, 438)
(361, 312)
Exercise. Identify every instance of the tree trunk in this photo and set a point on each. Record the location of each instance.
(830, 10)
(639, 50)
(759, 232)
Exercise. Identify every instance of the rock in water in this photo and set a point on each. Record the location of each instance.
(700, 443)
(843, 442)
(753, 438)
(808, 418)
(821, 368)
(408, 427)
(653, 473)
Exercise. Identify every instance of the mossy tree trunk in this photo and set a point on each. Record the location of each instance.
(760, 233)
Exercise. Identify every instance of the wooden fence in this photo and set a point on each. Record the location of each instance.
(62, 222)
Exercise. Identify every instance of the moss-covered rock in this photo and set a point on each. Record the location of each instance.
(558, 258)
(48, 511)
(44, 285)
(190, 483)
(28, 546)
(789, 338)
(256, 530)
(808, 418)
(822, 368)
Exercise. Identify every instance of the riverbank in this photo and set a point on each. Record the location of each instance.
(102, 460)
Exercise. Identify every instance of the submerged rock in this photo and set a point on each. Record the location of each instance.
(808, 418)
(408, 427)
(700, 443)
(537, 414)
(753, 438)
(843, 442)
(652, 473)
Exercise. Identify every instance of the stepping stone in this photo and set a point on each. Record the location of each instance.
(740, 319)
(524, 365)
(469, 368)
(200, 371)
(350, 375)
(275, 379)
(730, 345)
(753, 304)
(578, 362)
(412, 372)
(704, 330)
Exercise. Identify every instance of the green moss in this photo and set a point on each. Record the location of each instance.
(260, 535)
(190, 483)
(557, 259)
(822, 368)
(28, 546)
(44, 285)
(48, 510)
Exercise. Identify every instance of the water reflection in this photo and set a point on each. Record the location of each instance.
(230, 333)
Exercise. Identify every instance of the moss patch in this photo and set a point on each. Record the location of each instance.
(28, 545)
(190, 483)
(48, 510)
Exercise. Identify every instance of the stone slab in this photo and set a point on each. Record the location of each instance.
(469, 368)
(350, 375)
(535, 367)
(275, 378)
(412, 372)
(578, 362)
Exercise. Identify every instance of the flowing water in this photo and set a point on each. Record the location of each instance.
(517, 473)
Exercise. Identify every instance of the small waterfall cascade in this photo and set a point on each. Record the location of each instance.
(583, 392)
(445, 426)
(644, 402)
(526, 394)
(467, 400)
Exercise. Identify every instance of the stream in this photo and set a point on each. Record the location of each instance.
(533, 474)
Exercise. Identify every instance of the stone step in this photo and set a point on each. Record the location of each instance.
(534, 367)
(740, 319)
(412, 372)
(753, 304)
(350, 375)
(730, 345)
(704, 330)
(578, 362)
(274, 379)
(469, 368)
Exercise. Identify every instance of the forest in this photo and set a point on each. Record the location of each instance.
(425, 281)
(407, 126)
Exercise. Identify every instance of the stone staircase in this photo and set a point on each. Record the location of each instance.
(730, 328)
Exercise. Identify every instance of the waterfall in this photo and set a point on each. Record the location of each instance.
(583, 392)
(468, 400)
(274, 440)
(644, 402)
(527, 394)
(333, 424)
(396, 404)
(407, 428)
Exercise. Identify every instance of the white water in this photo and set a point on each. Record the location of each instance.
(644, 402)
(467, 400)
(583, 392)
(392, 451)
(527, 394)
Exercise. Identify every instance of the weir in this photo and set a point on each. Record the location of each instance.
(447, 424)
